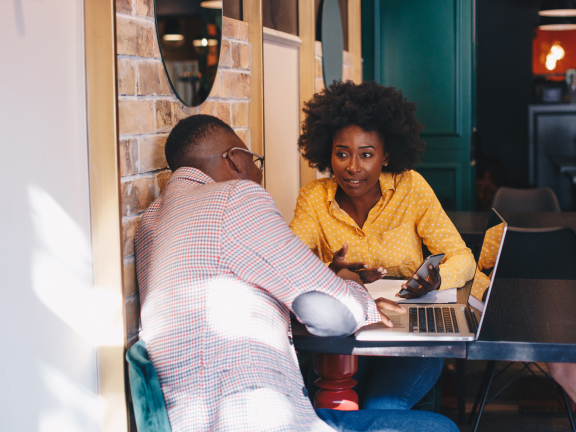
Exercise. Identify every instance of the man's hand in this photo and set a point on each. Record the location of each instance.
(366, 274)
(350, 275)
(432, 282)
(383, 303)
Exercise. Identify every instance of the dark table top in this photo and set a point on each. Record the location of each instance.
(526, 320)
(472, 225)
(529, 320)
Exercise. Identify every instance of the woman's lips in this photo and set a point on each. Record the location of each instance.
(354, 183)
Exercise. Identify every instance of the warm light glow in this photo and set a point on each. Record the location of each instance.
(211, 4)
(173, 37)
(550, 62)
(557, 51)
(558, 12)
(204, 42)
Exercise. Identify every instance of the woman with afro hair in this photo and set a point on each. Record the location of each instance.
(373, 215)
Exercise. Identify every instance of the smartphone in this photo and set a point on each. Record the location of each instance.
(423, 271)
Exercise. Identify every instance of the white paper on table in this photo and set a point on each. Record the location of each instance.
(387, 288)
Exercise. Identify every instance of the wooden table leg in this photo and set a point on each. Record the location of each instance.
(335, 382)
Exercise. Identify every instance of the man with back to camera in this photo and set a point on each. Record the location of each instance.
(219, 272)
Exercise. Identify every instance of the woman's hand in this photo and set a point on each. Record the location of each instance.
(383, 303)
(432, 282)
(366, 274)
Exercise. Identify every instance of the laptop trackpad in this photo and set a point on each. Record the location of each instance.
(399, 320)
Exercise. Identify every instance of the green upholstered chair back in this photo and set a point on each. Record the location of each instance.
(149, 406)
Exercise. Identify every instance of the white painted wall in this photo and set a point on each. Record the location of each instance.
(48, 322)
(282, 118)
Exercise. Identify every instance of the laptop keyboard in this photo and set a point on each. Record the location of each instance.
(433, 320)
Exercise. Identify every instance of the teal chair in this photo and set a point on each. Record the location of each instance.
(149, 406)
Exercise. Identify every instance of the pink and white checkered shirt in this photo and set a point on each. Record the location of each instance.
(218, 270)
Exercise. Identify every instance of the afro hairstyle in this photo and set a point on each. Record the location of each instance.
(370, 106)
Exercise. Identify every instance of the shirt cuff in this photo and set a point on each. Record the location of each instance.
(364, 308)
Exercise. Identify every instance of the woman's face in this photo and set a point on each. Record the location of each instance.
(357, 159)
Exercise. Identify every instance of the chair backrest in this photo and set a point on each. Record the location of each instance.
(149, 405)
(525, 200)
(543, 253)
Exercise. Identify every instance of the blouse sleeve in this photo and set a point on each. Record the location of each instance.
(440, 236)
(305, 223)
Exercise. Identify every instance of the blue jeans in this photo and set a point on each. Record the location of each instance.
(391, 383)
(395, 383)
(386, 421)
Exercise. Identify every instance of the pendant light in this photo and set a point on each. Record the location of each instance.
(557, 23)
(558, 8)
(172, 31)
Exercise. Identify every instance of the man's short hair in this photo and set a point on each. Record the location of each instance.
(189, 134)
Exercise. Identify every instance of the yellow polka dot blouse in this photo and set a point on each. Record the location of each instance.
(487, 260)
(407, 214)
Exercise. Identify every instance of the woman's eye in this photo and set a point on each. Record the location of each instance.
(367, 155)
(341, 155)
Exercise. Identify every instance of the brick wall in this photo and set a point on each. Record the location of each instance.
(147, 111)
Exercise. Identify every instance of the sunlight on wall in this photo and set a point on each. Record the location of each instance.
(77, 408)
(63, 281)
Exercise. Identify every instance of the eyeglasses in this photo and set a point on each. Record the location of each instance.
(258, 161)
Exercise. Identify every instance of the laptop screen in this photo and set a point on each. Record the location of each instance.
(487, 264)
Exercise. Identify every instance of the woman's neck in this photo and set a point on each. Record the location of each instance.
(359, 207)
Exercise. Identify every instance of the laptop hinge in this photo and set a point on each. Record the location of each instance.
(471, 320)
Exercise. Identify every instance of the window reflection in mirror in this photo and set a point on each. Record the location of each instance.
(189, 35)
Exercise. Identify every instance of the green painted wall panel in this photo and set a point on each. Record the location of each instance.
(426, 48)
(420, 55)
(368, 39)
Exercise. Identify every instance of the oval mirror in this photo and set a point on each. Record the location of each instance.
(332, 37)
(190, 35)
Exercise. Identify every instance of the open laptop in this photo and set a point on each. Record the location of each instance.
(448, 322)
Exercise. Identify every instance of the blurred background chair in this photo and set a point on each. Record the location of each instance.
(525, 200)
(540, 253)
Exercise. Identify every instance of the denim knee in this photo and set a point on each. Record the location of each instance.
(386, 421)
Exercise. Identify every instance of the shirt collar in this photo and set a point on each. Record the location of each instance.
(387, 182)
(192, 174)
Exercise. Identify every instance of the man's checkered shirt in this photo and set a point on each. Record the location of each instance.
(218, 270)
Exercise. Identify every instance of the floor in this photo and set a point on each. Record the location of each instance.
(529, 404)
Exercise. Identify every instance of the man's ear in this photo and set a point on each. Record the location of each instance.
(235, 163)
